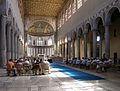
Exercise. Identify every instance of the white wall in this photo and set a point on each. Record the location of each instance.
(13, 4)
(87, 11)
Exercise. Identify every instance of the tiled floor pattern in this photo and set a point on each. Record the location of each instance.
(56, 81)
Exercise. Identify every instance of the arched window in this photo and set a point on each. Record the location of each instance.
(79, 2)
(62, 18)
(58, 22)
(65, 14)
(69, 10)
(73, 6)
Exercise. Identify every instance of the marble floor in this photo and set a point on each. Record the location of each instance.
(56, 81)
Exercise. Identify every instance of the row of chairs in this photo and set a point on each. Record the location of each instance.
(99, 65)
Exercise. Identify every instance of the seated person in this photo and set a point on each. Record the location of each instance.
(11, 67)
(45, 66)
(78, 62)
(36, 67)
(26, 62)
(20, 67)
(99, 66)
(88, 63)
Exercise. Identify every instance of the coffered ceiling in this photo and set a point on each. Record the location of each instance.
(43, 7)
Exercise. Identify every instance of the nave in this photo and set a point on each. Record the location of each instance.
(79, 32)
(58, 81)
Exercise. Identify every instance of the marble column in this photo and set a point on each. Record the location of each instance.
(85, 45)
(42, 50)
(18, 49)
(65, 46)
(35, 50)
(9, 42)
(52, 51)
(100, 46)
(38, 50)
(64, 50)
(12, 44)
(45, 51)
(73, 48)
(15, 46)
(3, 41)
(107, 42)
(78, 47)
(22, 47)
(94, 43)
(69, 49)
(60, 50)
(32, 52)
(49, 51)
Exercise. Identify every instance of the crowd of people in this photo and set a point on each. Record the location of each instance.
(100, 65)
(30, 65)
(39, 66)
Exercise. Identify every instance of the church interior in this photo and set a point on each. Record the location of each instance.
(79, 40)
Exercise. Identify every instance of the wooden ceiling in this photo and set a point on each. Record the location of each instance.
(43, 7)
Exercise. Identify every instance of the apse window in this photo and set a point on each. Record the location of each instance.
(79, 2)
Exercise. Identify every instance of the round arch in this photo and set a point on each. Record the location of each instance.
(100, 50)
(109, 14)
(89, 41)
(74, 35)
(79, 32)
(88, 27)
(114, 21)
(9, 12)
(98, 20)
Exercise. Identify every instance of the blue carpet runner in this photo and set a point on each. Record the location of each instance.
(78, 75)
